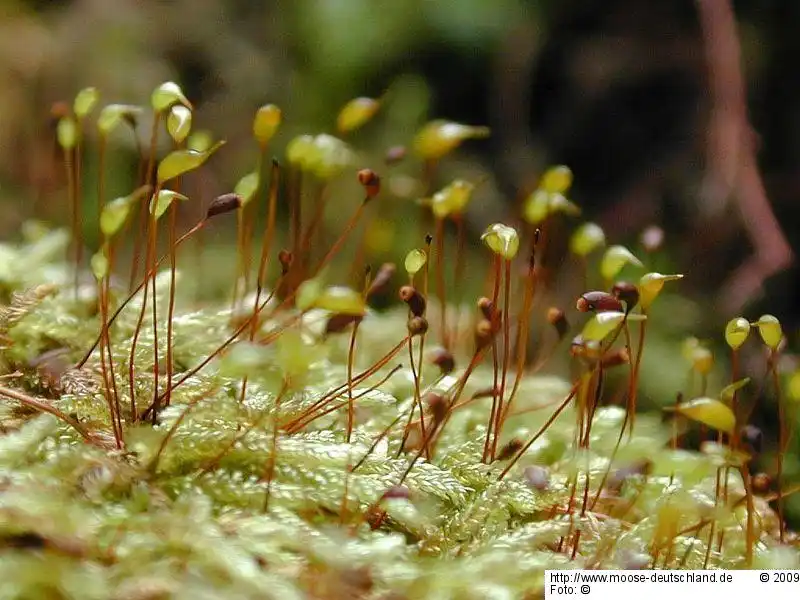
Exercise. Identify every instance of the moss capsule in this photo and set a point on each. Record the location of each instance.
(341, 300)
(736, 332)
(114, 114)
(224, 204)
(453, 199)
(502, 240)
(415, 301)
(247, 187)
(598, 302)
(438, 138)
(557, 179)
(179, 123)
(179, 162)
(371, 182)
(650, 286)
(356, 113)
(266, 123)
(415, 260)
(614, 259)
(586, 239)
(85, 101)
(166, 95)
(769, 328)
(708, 411)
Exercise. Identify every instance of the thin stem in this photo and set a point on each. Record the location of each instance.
(440, 282)
(37, 404)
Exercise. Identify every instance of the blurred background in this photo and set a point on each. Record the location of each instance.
(677, 113)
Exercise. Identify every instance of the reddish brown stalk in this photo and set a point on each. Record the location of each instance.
(37, 404)
(782, 439)
(523, 327)
(540, 432)
(440, 282)
(144, 212)
(350, 359)
(173, 260)
(633, 388)
(303, 420)
(171, 433)
(430, 441)
(266, 247)
(75, 212)
(343, 236)
(272, 460)
(497, 275)
(461, 261)
(498, 429)
(135, 291)
(331, 409)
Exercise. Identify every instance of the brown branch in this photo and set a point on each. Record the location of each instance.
(732, 159)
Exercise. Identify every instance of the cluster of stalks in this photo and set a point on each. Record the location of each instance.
(613, 336)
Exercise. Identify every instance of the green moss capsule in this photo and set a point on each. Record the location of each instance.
(650, 286)
(586, 239)
(727, 393)
(502, 240)
(708, 411)
(160, 203)
(99, 264)
(85, 101)
(702, 360)
(556, 180)
(438, 138)
(166, 95)
(114, 215)
(179, 123)
(601, 325)
(341, 300)
(736, 332)
(266, 123)
(415, 260)
(356, 113)
(614, 259)
(453, 199)
(67, 133)
(769, 328)
(178, 162)
(247, 187)
(113, 114)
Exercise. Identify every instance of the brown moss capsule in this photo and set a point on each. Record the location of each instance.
(484, 332)
(382, 278)
(339, 322)
(417, 326)
(509, 450)
(286, 258)
(537, 477)
(428, 239)
(627, 292)
(442, 358)
(486, 307)
(395, 154)
(616, 358)
(223, 204)
(437, 405)
(371, 182)
(415, 300)
(398, 492)
(752, 438)
(557, 318)
(598, 302)
(761, 483)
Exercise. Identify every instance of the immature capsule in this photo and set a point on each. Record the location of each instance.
(484, 332)
(627, 292)
(286, 258)
(437, 405)
(557, 318)
(443, 359)
(486, 307)
(598, 302)
(415, 300)
(736, 332)
(417, 326)
(371, 182)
